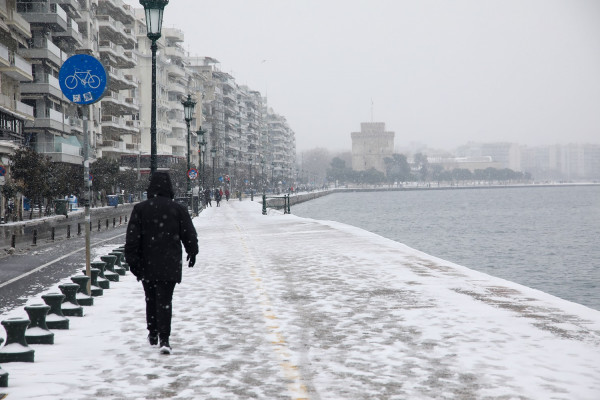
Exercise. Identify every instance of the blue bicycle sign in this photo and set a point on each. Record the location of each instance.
(83, 79)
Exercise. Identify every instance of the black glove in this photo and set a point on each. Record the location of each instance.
(192, 260)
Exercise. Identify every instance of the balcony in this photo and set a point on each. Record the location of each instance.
(51, 16)
(176, 87)
(173, 34)
(71, 6)
(64, 152)
(116, 104)
(71, 34)
(18, 109)
(174, 52)
(175, 71)
(19, 69)
(51, 120)
(45, 50)
(19, 25)
(4, 56)
(44, 84)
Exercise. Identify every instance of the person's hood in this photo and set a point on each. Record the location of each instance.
(160, 185)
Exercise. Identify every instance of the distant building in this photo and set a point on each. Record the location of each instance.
(371, 146)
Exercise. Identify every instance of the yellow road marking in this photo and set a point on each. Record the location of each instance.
(290, 371)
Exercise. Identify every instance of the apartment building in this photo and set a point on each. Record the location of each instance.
(57, 128)
(119, 132)
(15, 34)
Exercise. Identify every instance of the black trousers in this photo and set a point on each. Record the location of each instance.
(159, 310)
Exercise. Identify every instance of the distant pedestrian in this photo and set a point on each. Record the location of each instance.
(218, 195)
(207, 197)
(157, 229)
(227, 194)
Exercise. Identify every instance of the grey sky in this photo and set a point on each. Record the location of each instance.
(438, 72)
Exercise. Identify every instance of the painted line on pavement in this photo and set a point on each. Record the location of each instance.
(291, 371)
(56, 260)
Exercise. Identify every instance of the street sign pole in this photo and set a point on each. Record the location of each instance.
(86, 191)
(83, 80)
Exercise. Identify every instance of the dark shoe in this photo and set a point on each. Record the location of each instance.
(153, 340)
(165, 348)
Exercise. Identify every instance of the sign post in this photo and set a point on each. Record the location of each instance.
(83, 80)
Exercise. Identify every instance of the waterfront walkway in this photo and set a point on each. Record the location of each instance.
(281, 307)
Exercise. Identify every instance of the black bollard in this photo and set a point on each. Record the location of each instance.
(95, 289)
(68, 231)
(84, 297)
(70, 306)
(101, 267)
(114, 222)
(3, 374)
(35, 237)
(106, 223)
(55, 318)
(16, 348)
(52, 232)
(13, 241)
(109, 272)
(79, 229)
(98, 225)
(38, 332)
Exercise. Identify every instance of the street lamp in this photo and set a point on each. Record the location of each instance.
(200, 134)
(154, 16)
(203, 145)
(213, 151)
(272, 176)
(188, 113)
(250, 183)
(264, 196)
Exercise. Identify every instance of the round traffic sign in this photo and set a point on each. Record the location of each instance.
(83, 79)
(192, 173)
(2, 170)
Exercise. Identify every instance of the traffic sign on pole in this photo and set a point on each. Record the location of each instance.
(2, 170)
(83, 79)
(192, 173)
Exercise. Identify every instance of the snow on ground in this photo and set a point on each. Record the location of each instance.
(283, 307)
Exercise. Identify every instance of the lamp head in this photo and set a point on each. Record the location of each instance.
(154, 16)
(188, 108)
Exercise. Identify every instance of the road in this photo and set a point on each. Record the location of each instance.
(36, 269)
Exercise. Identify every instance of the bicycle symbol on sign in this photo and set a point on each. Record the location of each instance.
(85, 77)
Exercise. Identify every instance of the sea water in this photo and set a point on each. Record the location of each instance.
(547, 238)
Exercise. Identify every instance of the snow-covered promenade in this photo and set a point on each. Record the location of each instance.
(281, 307)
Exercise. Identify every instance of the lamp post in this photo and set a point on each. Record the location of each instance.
(188, 113)
(200, 134)
(203, 145)
(213, 151)
(250, 183)
(264, 196)
(272, 176)
(154, 16)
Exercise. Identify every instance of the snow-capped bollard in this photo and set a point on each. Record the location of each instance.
(38, 332)
(3, 374)
(101, 267)
(70, 306)
(125, 265)
(109, 272)
(16, 349)
(84, 297)
(118, 267)
(55, 318)
(95, 289)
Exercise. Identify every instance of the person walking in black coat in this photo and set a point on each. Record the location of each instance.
(207, 197)
(157, 229)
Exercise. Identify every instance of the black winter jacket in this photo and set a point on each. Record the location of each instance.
(157, 229)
